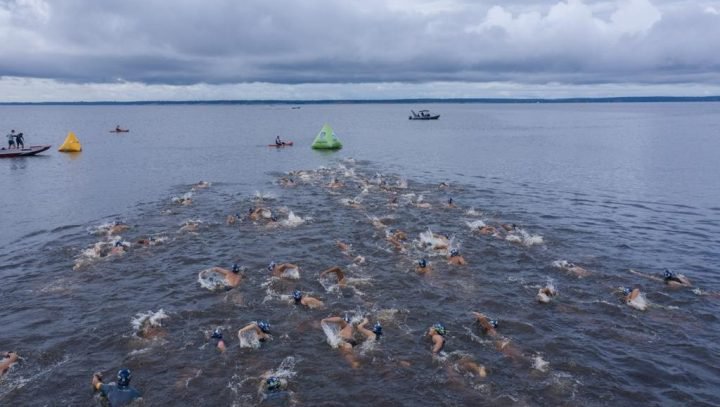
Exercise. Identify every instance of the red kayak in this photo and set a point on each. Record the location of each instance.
(284, 144)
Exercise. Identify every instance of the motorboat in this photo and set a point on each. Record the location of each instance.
(423, 115)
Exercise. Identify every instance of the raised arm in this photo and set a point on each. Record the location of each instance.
(366, 332)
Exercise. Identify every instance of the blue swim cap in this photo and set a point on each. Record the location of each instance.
(264, 326)
(422, 263)
(669, 274)
(235, 268)
(297, 295)
(450, 201)
(271, 266)
(237, 215)
(217, 334)
(273, 383)
(440, 329)
(494, 323)
(118, 244)
(626, 291)
(454, 252)
(123, 377)
(273, 218)
(377, 329)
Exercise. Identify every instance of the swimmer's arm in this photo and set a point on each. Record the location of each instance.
(637, 273)
(437, 343)
(334, 320)
(251, 327)
(221, 270)
(335, 269)
(366, 332)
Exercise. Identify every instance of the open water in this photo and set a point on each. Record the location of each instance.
(609, 187)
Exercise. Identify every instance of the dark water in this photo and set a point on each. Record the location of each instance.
(607, 186)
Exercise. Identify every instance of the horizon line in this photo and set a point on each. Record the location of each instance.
(613, 99)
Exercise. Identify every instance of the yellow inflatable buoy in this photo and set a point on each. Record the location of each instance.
(71, 144)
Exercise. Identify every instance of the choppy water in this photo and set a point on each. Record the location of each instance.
(608, 187)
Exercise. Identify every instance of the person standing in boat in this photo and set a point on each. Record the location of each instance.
(20, 141)
(11, 139)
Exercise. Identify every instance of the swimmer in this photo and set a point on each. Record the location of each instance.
(393, 202)
(232, 277)
(544, 294)
(451, 203)
(487, 324)
(633, 298)
(190, 226)
(260, 328)
(335, 184)
(423, 205)
(278, 270)
(341, 281)
(118, 227)
(373, 335)
(423, 267)
(443, 185)
(442, 242)
(9, 359)
(287, 182)
(118, 249)
(307, 301)
(487, 230)
(675, 280)
(260, 213)
(377, 223)
(397, 238)
(347, 335)
(217, 334)
(201, 185)
(120, 394)
(508, 227)
(437, 334)
(272, 384)
(455, 258)
(232, 219)
(344, 247)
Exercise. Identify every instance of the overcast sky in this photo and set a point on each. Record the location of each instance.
(71, 50)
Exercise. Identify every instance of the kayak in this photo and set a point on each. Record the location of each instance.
(119, 131)
(22, 152)
(284, 144)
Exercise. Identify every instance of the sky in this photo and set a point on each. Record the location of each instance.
(134, 50)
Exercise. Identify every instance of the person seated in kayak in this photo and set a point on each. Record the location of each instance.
(455, 258)
(117, 128)
(20, 141)
(306, 300)
(675, 280)
(9, 359)
(279, 142)
(341, 281)
(437, 334)
(120, 394)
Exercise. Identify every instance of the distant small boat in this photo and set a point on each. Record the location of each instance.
(423, 115)
(283, 144)
(22, 152)
(120, 131)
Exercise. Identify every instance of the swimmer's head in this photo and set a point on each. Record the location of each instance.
(235, 268)
(445, 235)
(494, 323)
(668, 274)
(454, 252)
(450, 201)
(123, 377)
(439, 329)
(422, 263)
(273, 383)
(377, 329)
(118, 244)
(273, 218)
(217, 334)
(237, 215)
(297, 295)
(264, 326)
(271, 266)
(626, 290)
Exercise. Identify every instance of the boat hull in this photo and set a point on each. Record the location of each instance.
(433, 117)
(23, 152)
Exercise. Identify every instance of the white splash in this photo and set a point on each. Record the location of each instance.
(476, 224)
(292, 220)
(152, 318)
(540, 364)
(523, 237)
(212, 280)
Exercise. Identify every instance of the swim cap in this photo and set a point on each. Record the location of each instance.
(669, 274)
(271, 266)
(440, 329)
(377, 329)
(273, 383)
(217, 334)
(273, 218)
(346, 318)
(626, 291)
(422, 263)
(454, 252)
(494, 323)
(235, 268)
(118, 243)
(123, 377)
(297, 295)
(264, 326)
(450, 201)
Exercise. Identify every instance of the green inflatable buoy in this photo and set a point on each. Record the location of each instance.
(326, 140)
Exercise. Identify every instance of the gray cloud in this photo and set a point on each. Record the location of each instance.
(292, 42)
